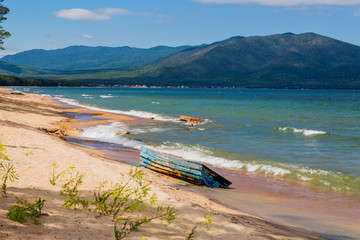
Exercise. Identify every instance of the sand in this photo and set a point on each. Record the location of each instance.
(27, 126)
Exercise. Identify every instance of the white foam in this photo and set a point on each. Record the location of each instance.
(305, 179)
(106, 96)
(141, 114)
(313, 171)
(149, 129)
(267, 169)
(325, 182)
(197, 154)
(68, 101)
(136, 113)
(144, 114)
(155, 102)
(305, 132)
(85, 95)
(108, 133)
(200, 154)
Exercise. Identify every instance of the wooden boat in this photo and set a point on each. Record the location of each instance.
(192, 172)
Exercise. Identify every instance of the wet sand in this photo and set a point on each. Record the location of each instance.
(326, 213)
(30, 123)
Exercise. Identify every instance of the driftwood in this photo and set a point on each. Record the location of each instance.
(17, 93)
(62, 131)
(191, 119)
(122, 132)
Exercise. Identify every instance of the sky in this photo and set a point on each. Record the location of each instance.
(54, 24)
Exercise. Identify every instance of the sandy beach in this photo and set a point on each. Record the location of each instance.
(31, 129)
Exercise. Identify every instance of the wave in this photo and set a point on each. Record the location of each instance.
(148, 129)
(86, 95)
(304, 132)
(135, 113)
(201, 154)
(106, 96)
(65, 100)
(109, 133)
(151, 115)
(333, 181)
(338, 182)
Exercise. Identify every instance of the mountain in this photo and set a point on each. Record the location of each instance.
(83, 58)
(288, 60)
(278, 61)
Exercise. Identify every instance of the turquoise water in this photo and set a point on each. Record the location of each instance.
(305, 135)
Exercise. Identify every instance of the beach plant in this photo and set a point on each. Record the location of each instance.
(9, 173)
(29, 153)
(23, 210)
(69, 187)
(3, 155)
(56, 176)
(70, 191)
(129, 223)
(208, 219)
(124, 202)
(123, 197)
(7, 170)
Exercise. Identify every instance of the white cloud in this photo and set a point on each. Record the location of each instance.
(285, 2)
(357, 13)
(84, 14)
(87, 36)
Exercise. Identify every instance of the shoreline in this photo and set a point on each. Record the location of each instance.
(300, 205)
(20, 132)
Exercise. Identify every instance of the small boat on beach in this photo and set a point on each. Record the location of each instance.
(189, 171)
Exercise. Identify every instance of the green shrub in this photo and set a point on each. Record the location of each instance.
(28, 153)
(6, 169)
(122, 201)
(55, 177)
(17, 213)
(9, 173)
(3, 152)
(70, 186)
(208, 219)
(70, 192)
(20, 213)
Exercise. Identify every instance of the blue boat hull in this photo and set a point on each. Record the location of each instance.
(189, 171)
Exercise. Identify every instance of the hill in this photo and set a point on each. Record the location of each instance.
(286, 60)
(18, 81)
(83, 57)
(20, 70)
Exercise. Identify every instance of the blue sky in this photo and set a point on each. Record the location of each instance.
(53, 24)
